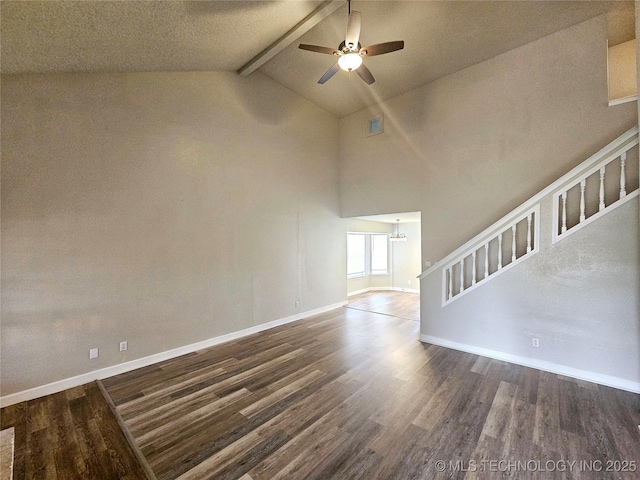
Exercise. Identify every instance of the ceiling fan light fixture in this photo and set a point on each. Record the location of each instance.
(350, 61)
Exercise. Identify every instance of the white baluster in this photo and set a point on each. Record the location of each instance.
(500, 251)
(462, 275)
(450, 293)
(529, 233)
(486, 260)
(513, 243)
(583, 185)
(601, 204)
(623, 159)
(473, 269)
(564, 212)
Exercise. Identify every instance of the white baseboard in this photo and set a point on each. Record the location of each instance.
(398, 289)
(107, 372)
(358, 292)
(601, 379)
(382, 289)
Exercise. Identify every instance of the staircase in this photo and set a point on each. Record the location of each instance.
(600, 184)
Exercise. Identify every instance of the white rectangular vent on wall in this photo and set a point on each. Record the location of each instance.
(375, 124)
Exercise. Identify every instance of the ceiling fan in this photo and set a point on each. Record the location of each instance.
(350, 53)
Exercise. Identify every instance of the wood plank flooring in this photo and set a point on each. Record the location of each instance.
(68, 435)
(397, 304)
(353, 395)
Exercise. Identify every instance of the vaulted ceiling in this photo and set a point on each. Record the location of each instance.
(441, 37)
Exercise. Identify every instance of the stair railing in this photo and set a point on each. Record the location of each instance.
(584, 198)
(516, 236)
(492, 254)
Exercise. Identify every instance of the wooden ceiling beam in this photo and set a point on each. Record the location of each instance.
(303, 26)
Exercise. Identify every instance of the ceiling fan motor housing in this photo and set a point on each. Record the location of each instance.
(345, 49)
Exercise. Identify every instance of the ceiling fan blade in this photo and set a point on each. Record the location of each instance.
(353, 30)
(365, 74)
(318, 49)
(330, 73)
(380, 48)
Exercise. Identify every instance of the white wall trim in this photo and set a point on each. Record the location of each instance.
(358, 292)
(599, 378)
(399, 289)
(107, 372)
(620, 101)
(382, 289)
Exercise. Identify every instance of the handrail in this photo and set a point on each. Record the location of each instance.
(614, 149)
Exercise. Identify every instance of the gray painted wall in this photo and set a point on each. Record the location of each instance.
(158, 208)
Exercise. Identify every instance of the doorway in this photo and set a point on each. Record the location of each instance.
(383, 262)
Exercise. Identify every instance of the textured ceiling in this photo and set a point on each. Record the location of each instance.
(132, 35)
(440, 37)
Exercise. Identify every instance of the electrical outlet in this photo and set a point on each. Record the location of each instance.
(123, 346)
(409, 282)
(427, 264)
(535, 342)
(93, 353)
(297, 304)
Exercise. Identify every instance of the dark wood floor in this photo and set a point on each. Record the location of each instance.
(344, 395)
(397, 304)
(69, 435)
(353, 395)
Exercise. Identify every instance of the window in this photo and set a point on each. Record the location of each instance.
(379, 249)
(367, 254)
(356, 255)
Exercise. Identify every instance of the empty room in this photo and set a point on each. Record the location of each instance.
(307, 239)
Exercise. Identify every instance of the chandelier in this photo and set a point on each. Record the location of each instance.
(398, 237)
